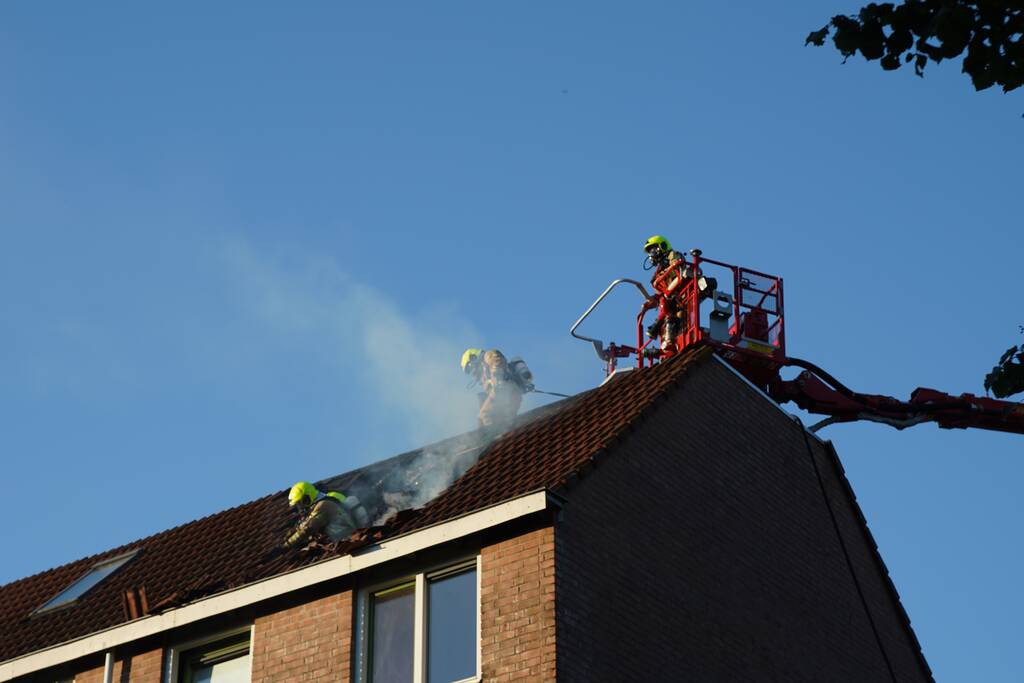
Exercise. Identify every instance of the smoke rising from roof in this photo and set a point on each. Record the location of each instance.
(413, 479)
(405, 362)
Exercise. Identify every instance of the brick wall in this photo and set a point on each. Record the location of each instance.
(701, 548)
(309, 642)
(144, 667)
(517, 608)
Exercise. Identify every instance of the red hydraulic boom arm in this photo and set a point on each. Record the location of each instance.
(816, 391)
(745, 325)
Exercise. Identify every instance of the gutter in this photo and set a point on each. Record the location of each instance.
(250, 594)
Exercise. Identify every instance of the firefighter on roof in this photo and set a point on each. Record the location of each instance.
(503, 383)
(328, 516)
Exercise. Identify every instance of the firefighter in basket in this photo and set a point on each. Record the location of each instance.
(672, 295)
(667, 298)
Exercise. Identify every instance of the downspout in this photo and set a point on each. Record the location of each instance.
(108, 667)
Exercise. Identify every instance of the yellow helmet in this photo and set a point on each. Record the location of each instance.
(660, 242)
(467, 357)
(300, 492)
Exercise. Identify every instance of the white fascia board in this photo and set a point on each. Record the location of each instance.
(766, 397)
(250, 594)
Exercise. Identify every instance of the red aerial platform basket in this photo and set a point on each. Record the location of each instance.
(737, 310)
(740, 313)
(745, 319)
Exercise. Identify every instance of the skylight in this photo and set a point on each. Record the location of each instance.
(95, 575)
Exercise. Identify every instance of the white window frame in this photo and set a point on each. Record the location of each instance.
(174, 652)
(420, 624)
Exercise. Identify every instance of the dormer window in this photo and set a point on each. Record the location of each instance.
(86, 582)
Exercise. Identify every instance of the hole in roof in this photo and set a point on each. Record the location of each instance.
(86, 582)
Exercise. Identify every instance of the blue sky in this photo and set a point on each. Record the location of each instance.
(241, 246)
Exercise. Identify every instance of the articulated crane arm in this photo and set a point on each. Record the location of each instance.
(818, 392)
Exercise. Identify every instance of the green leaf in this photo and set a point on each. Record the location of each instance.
(987, 33)
(919, 61)
(1007, 355)
(872, 40)
(1007, 378)
(899, 41)
(817, 37)
(847, 37)
(890, 62)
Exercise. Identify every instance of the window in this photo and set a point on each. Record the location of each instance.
(424, 629)
(223, 660)
(392, 619)
(81, 586)
(451, 626)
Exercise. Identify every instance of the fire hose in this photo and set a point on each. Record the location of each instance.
(550, 393)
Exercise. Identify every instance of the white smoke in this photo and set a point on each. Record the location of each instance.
(429, 473)
(408, 363)
(405, 363)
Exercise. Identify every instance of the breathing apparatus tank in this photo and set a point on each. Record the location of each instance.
(521, 374)
(356, 510)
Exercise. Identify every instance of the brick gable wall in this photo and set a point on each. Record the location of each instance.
(517, 608)
(701, 548)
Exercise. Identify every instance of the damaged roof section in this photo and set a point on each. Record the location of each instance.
(547, 448)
